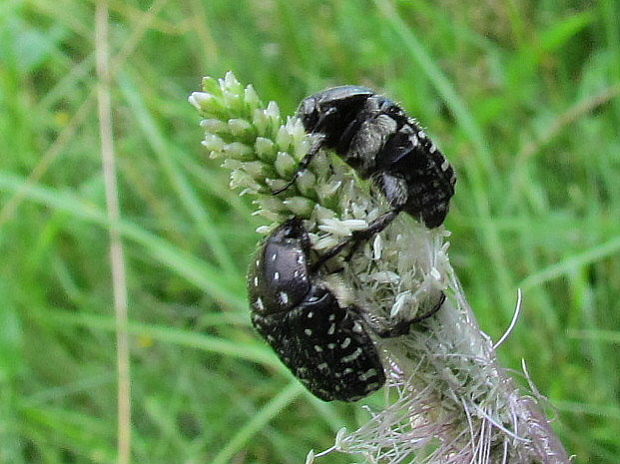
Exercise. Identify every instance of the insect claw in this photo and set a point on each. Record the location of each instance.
(287, 186)
(402, 327)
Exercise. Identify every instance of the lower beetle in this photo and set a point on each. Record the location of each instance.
(326, 343)
(379, 140)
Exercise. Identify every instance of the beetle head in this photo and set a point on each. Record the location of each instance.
(280, 276)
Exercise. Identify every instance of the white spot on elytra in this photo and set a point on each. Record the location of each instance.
(445, 165)
(274, 256)
(256, 281)
(422, 134)
(348, 370)
(296, 274)
(331, 317)
(347, 342)
(353, 356)
(414, 141)
(432, 149)
(308, 331)
(300, 259)
(322, 366)
(331, 346)
(332, 329)
(318, 349)
(259, 304)
(276, 276)
(357, 328)
(283, 297)
(310, 314)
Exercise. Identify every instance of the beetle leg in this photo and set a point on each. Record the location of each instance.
(303, 165)
(305, 162)
(434, 309)
(357, 238)
(328, 255)
(394, 189)
(360, 236)
(402, 328)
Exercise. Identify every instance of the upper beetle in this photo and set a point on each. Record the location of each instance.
(326, 343)
(379, 140)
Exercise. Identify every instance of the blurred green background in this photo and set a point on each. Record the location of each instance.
(523, 97)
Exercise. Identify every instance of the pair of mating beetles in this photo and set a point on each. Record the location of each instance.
(325, 343)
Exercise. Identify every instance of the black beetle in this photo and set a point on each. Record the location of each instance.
(326, 343)
(379, 140)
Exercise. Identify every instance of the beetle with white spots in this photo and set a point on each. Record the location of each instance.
(326, 343)
(375, 136)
